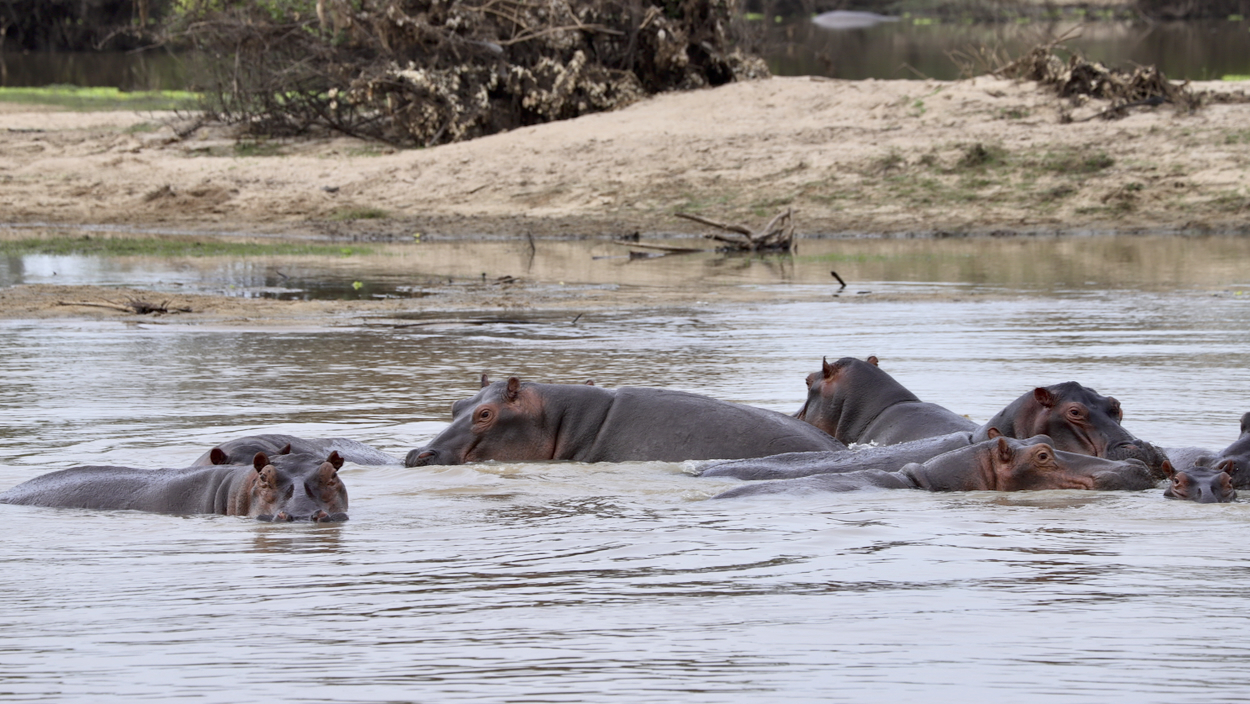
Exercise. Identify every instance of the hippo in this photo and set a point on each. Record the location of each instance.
(1079, 419)
(283, 488)
(242, 450)
(1001, 464)
(515, 421)
(1204, 484)
(1075, 417)
(1238, 454)
(856, 401)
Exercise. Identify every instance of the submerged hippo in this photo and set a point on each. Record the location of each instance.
(1077, 418)
(1211, 477)
(1204, 484)
(1002, 464)
(511, 421)
(242, 450)
(283, 488)
(855, 401)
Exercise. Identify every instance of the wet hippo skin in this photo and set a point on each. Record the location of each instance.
(1002, 464)
(284, 488)
(857, 402)
(242, 450)
(512, 421)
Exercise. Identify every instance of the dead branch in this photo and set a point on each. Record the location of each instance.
(777, 235)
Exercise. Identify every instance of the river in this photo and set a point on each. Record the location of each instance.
(565, 582)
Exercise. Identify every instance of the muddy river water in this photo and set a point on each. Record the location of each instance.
(560, 582)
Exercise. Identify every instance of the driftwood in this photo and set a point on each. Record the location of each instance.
(133, 305)
(776, 236)
(666, 248)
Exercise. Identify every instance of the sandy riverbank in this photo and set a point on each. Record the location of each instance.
(972, 156)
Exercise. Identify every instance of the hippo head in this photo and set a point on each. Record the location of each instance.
(844, 397)
(294, 487)
(1032, 464)
(1079, 420)
(504, 421)
(1206, 485)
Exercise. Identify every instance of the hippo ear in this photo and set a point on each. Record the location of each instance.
(218, 456)
(335, 459)
(1168, 469)
(1227, 466)
(590, 382)
(286, 449)
(993, 432)
(260, 461)
(1004, 451)
(485, 381)
(513, 390)
(872, 359)
(1043, 396)
(827, 370)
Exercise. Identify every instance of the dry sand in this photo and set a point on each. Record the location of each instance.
(848, 156)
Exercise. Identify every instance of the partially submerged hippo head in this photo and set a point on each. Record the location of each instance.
(845, 396)
(292, 487)
(504, 421)
(1206, 485)
(245, 450)
(1238, 455)
(1033, 464)
(1079, 420)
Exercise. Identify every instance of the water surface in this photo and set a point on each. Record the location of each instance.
(564, 582)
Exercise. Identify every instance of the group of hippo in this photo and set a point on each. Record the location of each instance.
(858, 429)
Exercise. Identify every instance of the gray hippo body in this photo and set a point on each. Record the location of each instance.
(284, 488)
(242, 450)
(855, 401)
(1002, 464)
(1075, 417)
(515, 421)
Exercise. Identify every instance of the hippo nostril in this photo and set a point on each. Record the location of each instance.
(320, 516)
(419, 457)
(284, 516)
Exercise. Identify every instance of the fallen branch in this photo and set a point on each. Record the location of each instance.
(777, 235)
(133, 305)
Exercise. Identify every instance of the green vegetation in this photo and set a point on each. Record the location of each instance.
(100, 99)
(364, 213)
(153, 247)
(1078, 162)
(1234, 77)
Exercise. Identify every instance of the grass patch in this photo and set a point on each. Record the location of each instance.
(101, 99)
(1235, 77)
(365, 213)
(257, 148)
(981, 156)
(1241, 137)
(1076, 162)
(152, 247)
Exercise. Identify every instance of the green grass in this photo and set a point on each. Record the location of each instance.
(151, 247)
(100, 99)
(1234, 77)
(366, 213)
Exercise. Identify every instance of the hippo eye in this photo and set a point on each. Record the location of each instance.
(1074, 412)
(484, 415)
(1043, 456)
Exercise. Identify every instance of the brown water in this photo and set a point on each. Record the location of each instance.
(537, 582)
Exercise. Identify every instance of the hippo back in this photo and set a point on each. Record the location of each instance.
(242, 450)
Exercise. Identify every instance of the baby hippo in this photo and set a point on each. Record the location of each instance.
(292, 487)
(1206, 485)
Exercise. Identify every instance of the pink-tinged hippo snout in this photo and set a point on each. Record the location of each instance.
(421, 457)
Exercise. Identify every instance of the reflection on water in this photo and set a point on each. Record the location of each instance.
(542, 582)
(1045, 264)
(1199, 51)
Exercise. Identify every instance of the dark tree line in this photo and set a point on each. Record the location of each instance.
(79, 25)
